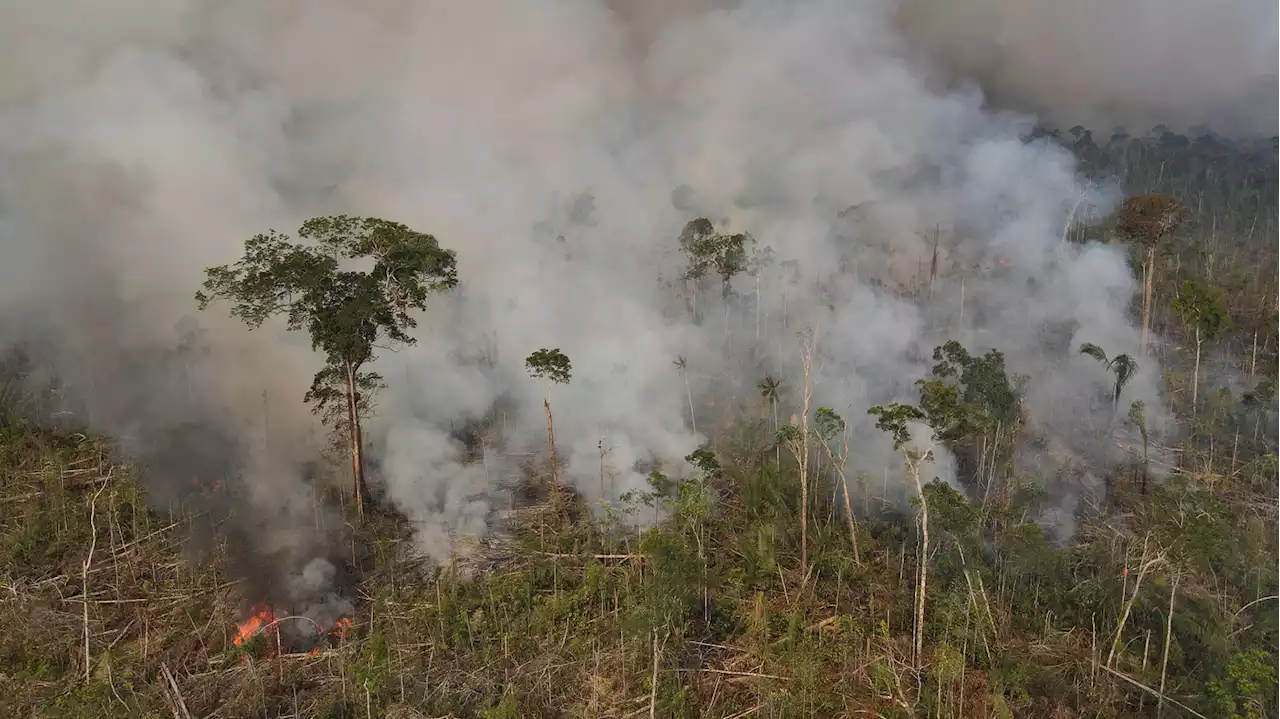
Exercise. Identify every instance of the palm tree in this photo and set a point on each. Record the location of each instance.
(769, 387)
(682, 364)
(1123, 366)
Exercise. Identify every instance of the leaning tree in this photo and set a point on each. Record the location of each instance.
(316, 286)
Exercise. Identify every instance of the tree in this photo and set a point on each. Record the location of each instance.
(796, 437)
(769, 387)
(947, 416)
(828, 425)
(1123, 366)
(992, 400)
(759, 263)
(1248, 688)
(708, 250)
(1203, 309)
(553, 366)
(1149, 220)
(682, 364)
(1138, 417)
(345, 311)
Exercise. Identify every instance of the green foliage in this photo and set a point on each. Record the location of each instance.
(893, 418)
(345, 311)
(942, 407)
(988, 390)
(704, 458)
(788, 433)
(709, 250)
(828, 424)
(1123, 366)
(506, 708)
(549, 364)
(1263, 394)
(1248, 688)
(1138, 417)
(1203, 308)
(769, 387)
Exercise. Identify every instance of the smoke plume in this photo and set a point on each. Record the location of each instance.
(1135, 63)
(542, 140)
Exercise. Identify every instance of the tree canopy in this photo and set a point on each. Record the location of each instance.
(319, 286)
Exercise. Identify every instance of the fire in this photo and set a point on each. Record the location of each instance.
(341, 628)
(338, 632)
(261, 618)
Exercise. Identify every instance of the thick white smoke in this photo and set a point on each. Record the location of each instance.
(146, 141)
(1134, 63)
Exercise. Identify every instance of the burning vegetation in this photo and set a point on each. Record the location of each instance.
(301, 633)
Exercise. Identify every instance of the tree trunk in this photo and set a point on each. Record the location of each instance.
(848, 505)
(758, 306)
(923, 562)
(725, 298)
(354, 441)
(1146, 463)
(809, 345)
(551, 439)
(1128, 605)
(689, 394)
(777, 449)
(1195, 376)
(1253, 361)
(1148, 272)
(1168, 634)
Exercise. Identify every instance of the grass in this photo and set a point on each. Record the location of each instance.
(705, 614)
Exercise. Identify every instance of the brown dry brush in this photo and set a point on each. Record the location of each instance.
(158, 625)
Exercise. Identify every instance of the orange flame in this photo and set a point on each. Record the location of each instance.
(341, 628)
(338, 632)
(262, 617)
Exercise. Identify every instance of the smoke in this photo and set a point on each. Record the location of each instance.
(1135, 63)
(542, 141)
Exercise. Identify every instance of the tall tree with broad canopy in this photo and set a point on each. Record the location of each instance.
(346, 311)
(553, 366)
(708, 250)
(1149, 220)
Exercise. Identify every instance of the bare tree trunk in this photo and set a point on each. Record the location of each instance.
(848, 513)
(354, 441)
(551, 439)
(1253, 361)
(757, 306)
(84, 579)
(693, 420)
(1195, 375)
(777, 449)
(1148, 272)
(922, 573)
(844, 484)
(810, 343)
(653, 680)
(1128, 605)
(1168, 634)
